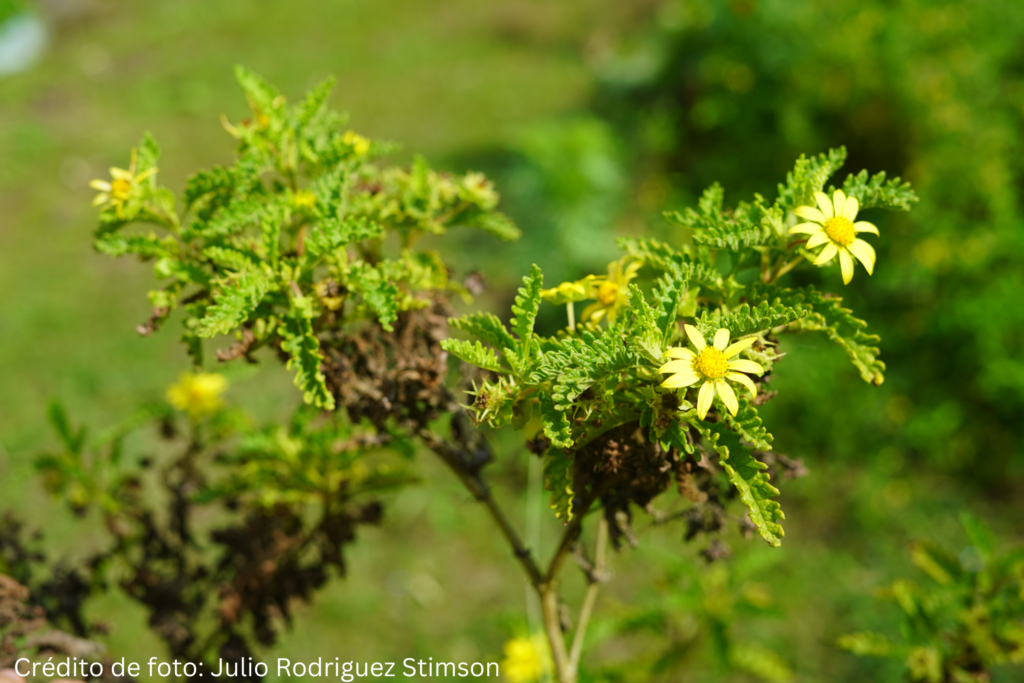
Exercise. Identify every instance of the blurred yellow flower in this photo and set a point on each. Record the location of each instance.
(357, 142)
(304, 199)
(123, 186)
(711, 366)
(526, 659)
(833, 225)
(198, 393)
(608, 290)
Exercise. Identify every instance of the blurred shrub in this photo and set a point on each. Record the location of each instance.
(932, 90)
(966, 620)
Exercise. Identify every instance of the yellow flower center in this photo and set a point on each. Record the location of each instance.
(840, 230)
(711, 363)
(120, 188)
(607, 293)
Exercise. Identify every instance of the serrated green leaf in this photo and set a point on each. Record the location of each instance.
(877, 193)
(379, 294)
(558, 482)
(473, 353)
(120, 244)
(260, 93)
(748, 424)
(486, 327)
(747, 474)
(526, 306)
(305, 357)
(825, 314)
(231, 259)
(234, 303)
(808, 176)
(314, 101)
(744, 320)
(555, 423)
(217, 180)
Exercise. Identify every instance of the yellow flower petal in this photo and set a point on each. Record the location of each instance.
(681, 379)
(677, 366)
(680, 352)
(865, 253)
(806, 228)
(120, 174)
(704, 399)
(721, 339)
(696, 338)
(817, 239)
(810, 213)
(728, 396)
(744, 380)
(827, 254)
(838, 202)
(851, 208)
(846, 264)
(101, 185)
(101, 199)
(736, 347)
(743, 365)
(825, 204)
(864, 226)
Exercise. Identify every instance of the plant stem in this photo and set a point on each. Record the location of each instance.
(475, 484)
(588, 602)
(553, 626)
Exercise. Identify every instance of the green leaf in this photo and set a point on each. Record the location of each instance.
(809, 176)
(744, 320)
(838, 323)
(305, 357)
(379, 294)
(526, 306)
(877, 193)
(748, 225)
(314, 101)
(556, 424)
(497, 224)
(231, 259)
(148, 154)
(650, 251)
(473, 353)
(748, 476)
(748, 424)
(331, 234)
(558, 482)
(218, 180)
(486, 327)
(979, 534)
(235, 302)
(260, 93)
(866, 644)
(761, 662)
(73, 440)
(145, 246)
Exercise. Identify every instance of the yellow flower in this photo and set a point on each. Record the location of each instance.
(609, 291)
(526, 659)
(711, 366)
(357, 142)
(197, 394)
(833, 225)
(304, 199)
(123, 186)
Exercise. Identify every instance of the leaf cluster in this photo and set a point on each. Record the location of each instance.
(304, 233)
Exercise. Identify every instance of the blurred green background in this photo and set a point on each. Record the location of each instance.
(592, 116)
